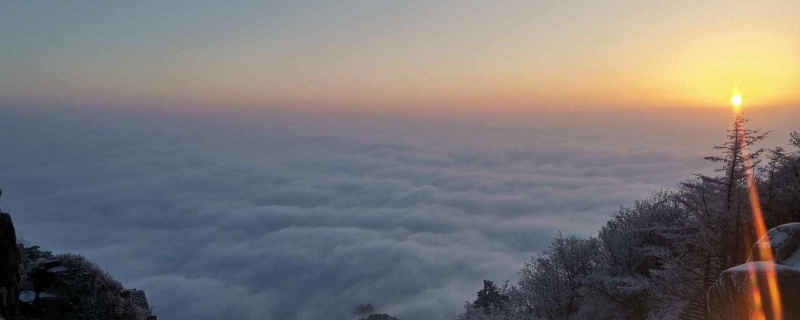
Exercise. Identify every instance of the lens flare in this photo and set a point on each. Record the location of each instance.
(760, 228)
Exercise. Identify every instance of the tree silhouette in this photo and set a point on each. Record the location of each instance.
(490, 298)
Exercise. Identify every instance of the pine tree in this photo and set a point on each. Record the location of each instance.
(736, 159)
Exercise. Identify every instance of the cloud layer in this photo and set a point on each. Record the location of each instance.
(293, 217)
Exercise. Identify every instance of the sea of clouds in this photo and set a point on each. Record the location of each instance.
(305, 216)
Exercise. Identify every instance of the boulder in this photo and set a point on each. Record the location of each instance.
(27, 302)
(10, 264)
(50, 306)
(784, 241)
(42, 277)
(49, 264)
(731, 295)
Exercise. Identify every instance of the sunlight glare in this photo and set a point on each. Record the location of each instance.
(736, 101)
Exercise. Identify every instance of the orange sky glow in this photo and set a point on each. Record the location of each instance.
(412, 57)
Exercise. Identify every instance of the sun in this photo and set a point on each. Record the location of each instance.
(736, 101)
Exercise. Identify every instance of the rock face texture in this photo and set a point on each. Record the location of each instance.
(731, 295)
(10, 262)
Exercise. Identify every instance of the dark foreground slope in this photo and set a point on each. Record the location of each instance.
(36, 284)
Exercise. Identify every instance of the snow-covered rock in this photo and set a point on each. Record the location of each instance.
(784, 240)
(27, 296)
(59, 269)
(731, 295)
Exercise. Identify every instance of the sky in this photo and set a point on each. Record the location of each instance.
(291, 160)
(399, 56)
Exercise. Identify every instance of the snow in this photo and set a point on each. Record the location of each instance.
(777, 237)
(30, 296)
(58, 269)
(784, 241)
(27, 296)
(793, 260)
(760, 266)
(780, 233)
(44, 295)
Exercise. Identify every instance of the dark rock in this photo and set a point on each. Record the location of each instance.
(51, 307)
(52, 263)
(732, 295)
(46, 274)
(10, 264)
(140, 298)
(42, 279)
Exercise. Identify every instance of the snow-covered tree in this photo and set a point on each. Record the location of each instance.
(553, 285)
(491, 298)
(657, 258)
(781, 183)
(730, 217)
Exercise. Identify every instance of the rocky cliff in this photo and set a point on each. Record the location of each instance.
(10, 262)
(37, 285)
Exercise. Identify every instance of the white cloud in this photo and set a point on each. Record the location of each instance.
(292, 218)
